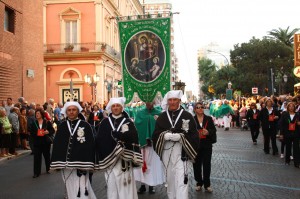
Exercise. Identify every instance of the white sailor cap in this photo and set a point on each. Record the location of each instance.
(171, 94)
(115, 100)
(67, 104)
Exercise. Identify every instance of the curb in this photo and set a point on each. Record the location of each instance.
(20, 153)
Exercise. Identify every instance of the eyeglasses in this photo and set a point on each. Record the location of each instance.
(199, 107)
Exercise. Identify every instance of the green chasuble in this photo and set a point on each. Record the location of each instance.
(145, 123)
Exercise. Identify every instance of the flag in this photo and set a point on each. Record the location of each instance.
(145, 49)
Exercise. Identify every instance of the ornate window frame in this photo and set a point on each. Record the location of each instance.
(70, 14)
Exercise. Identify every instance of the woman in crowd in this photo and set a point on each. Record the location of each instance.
(253, 122)
(95, 117)
(282, 147)
(46, 114)
(42, 131)
(207, 136)
(269, 117)
(290, 131)
(23, 128)
(6, 130)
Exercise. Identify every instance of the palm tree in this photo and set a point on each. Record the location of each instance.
(283, 35)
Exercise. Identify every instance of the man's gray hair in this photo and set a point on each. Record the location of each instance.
(21, 99)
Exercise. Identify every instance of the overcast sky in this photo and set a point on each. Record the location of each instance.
(225, 23)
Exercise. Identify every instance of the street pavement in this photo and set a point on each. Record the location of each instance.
(239, 170)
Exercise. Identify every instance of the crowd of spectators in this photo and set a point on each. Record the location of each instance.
(17, 119)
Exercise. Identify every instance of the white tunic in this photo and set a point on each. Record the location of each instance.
(72, 182)
(115, 179)
(176, 188)
(227, 120)
(154, 174)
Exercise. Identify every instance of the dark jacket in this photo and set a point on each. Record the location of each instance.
(92, 121)
(285, 120)
(207, 123)
(264, 118)
(73, 151)
(117, 142)
(40, 140)
(250, 117)
(186, 120)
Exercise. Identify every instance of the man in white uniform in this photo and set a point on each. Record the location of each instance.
(175, 140)
(74, 153)
(118, 151)
(152, 172)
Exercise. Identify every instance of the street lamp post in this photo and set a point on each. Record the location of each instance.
(272, 81)
(285, 79)
(110, 86)
(229, 91)
(92, 80)
(229, 85)
(220, 54)
(180, 86)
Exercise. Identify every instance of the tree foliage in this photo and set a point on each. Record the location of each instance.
(283, 35)
(251, 65)
(254, 60)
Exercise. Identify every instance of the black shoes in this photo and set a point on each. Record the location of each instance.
(266, 152)
(142, 189)
(287, 163)
(35, 175)
(151, 190)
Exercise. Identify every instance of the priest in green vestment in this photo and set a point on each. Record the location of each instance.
(151, 172)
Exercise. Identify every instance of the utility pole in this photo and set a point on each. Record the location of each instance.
(272, 83)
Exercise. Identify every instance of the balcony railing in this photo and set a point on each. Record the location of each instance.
(82, 47)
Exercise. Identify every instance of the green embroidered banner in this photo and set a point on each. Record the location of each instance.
(145, 48)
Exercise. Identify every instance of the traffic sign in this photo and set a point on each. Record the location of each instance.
(254, 90)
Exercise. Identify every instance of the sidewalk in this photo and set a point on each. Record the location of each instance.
(19, 151)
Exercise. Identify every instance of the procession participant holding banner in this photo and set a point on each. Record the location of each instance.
(207, 135)
(118, 151)
(74, 152)
(176, 141)
(151, 172)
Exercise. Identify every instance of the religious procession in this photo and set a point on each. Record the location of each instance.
(113, 119)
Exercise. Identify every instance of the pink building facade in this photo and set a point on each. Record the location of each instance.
(81, 40)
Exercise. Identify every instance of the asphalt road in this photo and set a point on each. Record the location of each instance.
(239, 170)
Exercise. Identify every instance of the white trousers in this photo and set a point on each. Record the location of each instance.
(176, 189)
(227, 120)
(72, 184)
(120, 185)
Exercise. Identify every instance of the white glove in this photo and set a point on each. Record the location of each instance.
(168, 136)
(175, 137)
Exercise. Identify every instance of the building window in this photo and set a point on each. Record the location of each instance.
(70, 23)
(9, 20)
(71, 32)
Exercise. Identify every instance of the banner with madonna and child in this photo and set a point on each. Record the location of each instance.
(145, 49)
